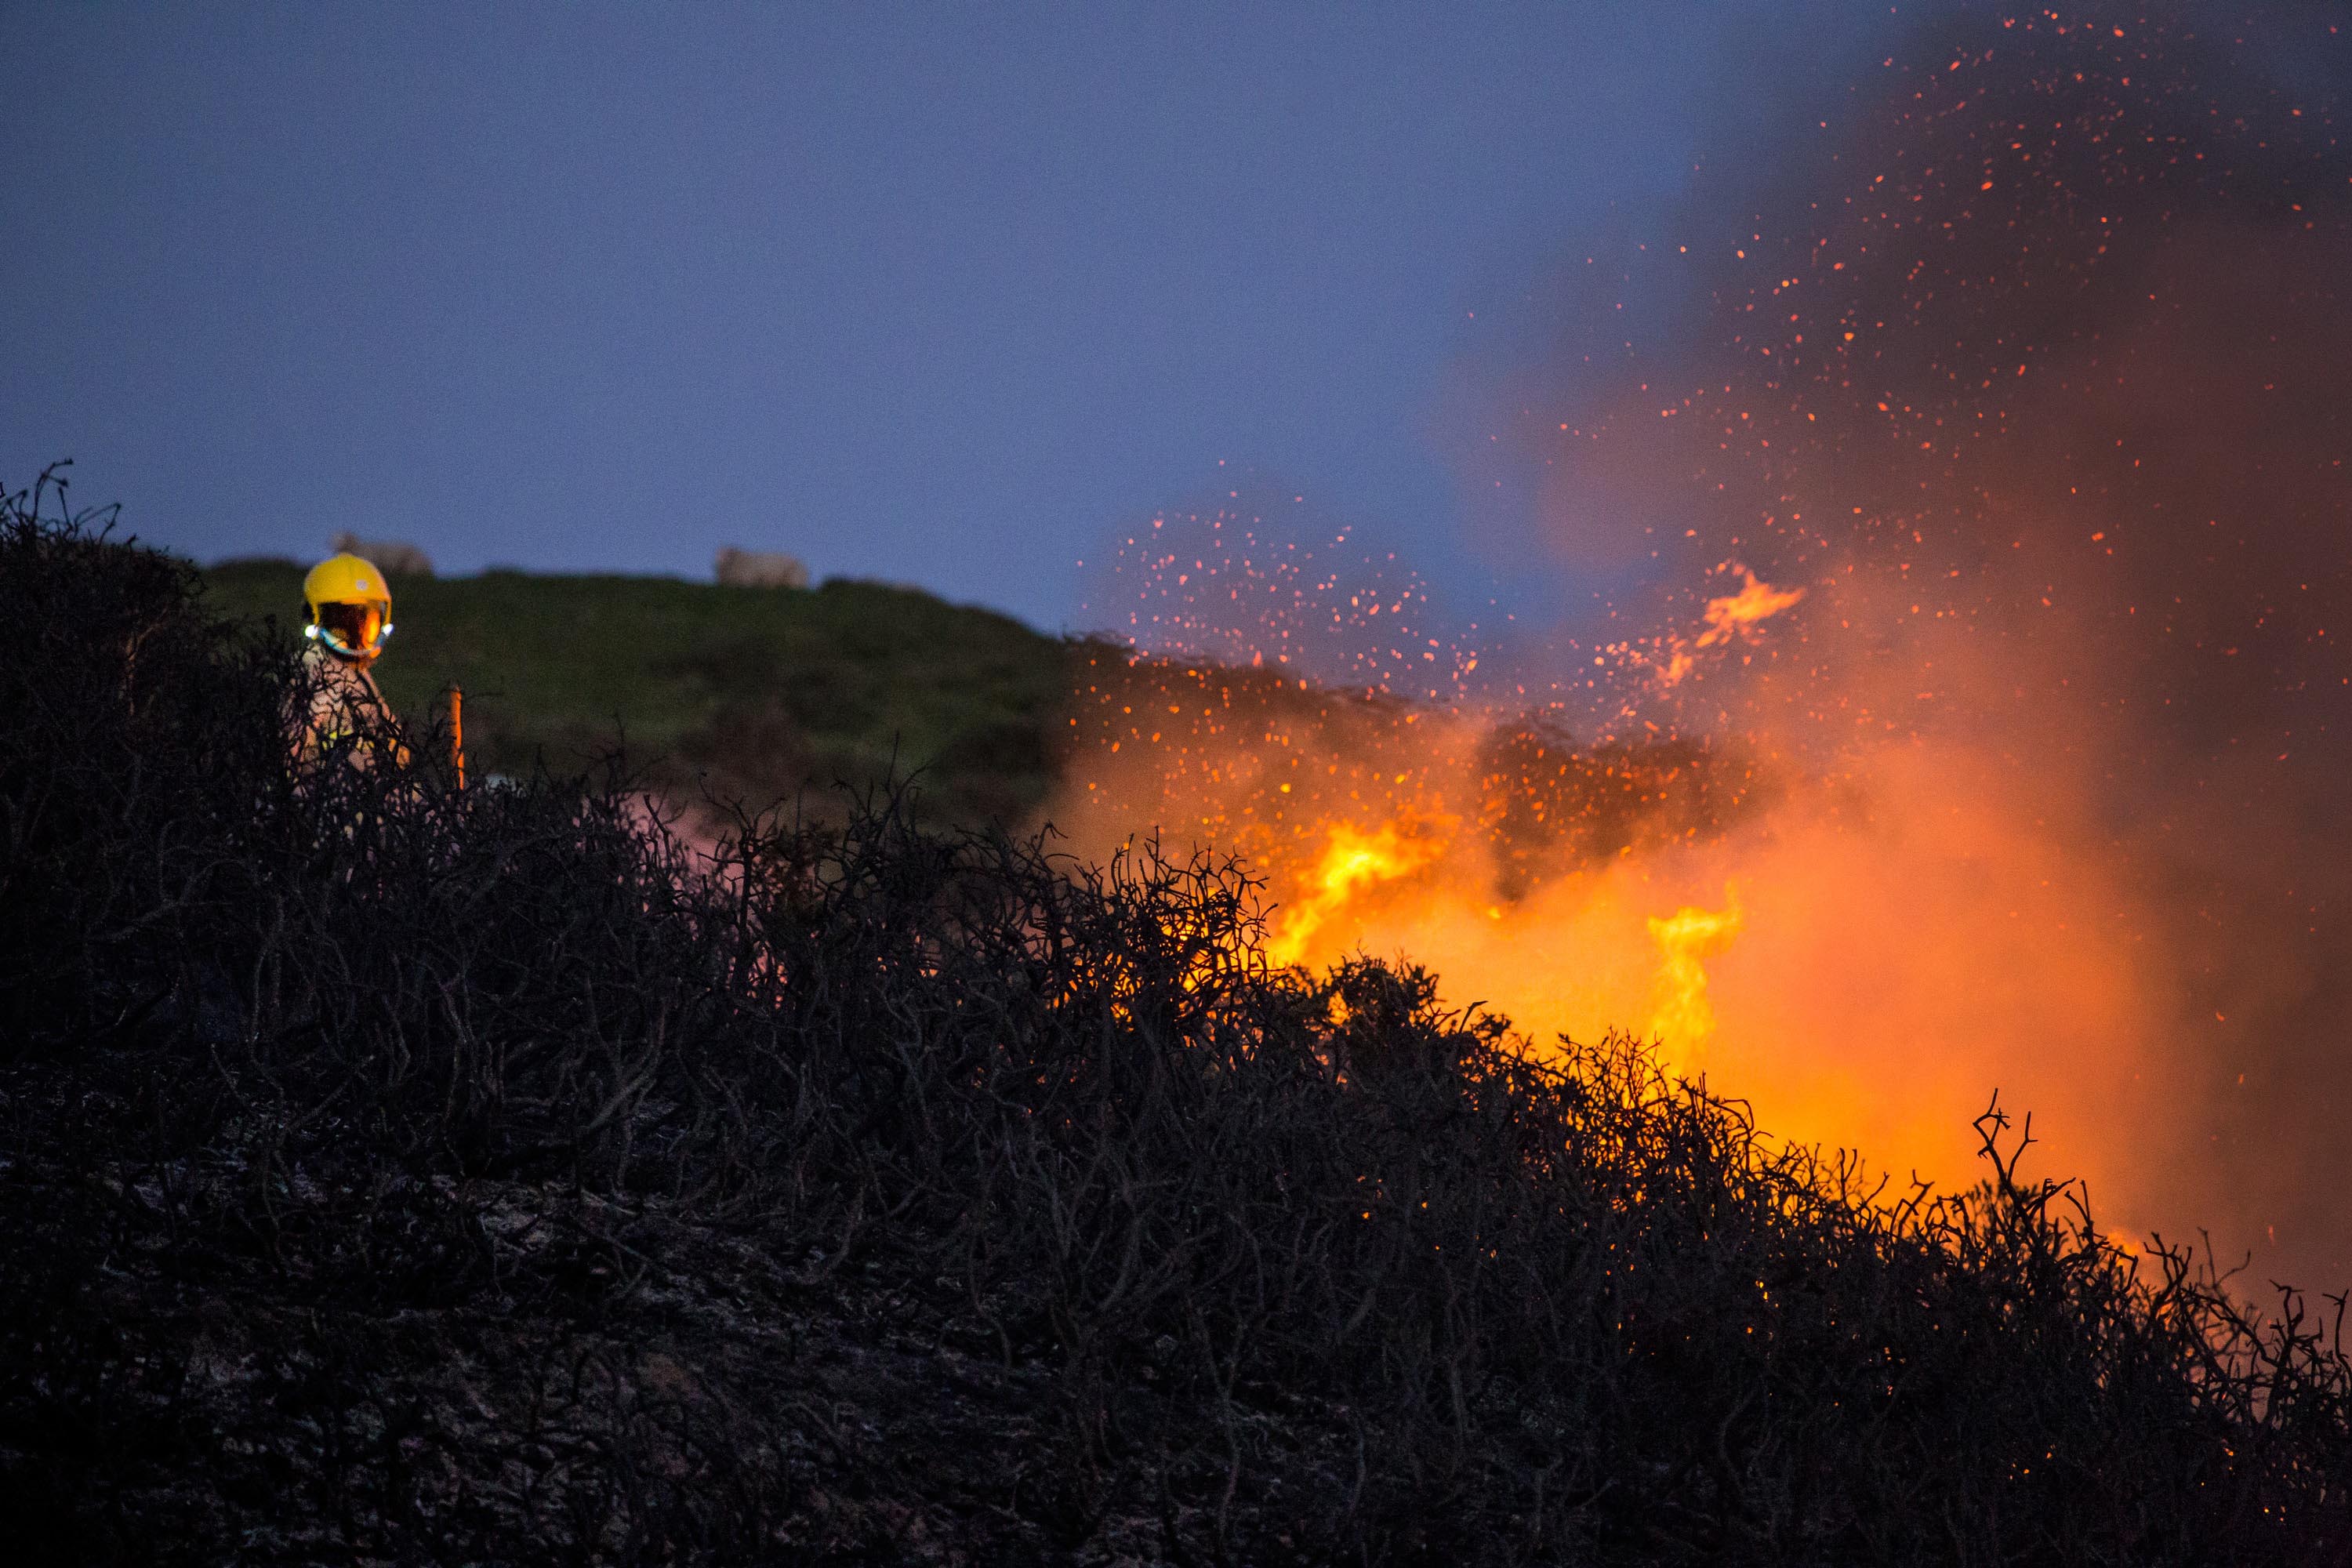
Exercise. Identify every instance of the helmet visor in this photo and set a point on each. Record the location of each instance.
(354, 630)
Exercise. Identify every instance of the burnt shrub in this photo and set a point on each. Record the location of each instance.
(400, 1171)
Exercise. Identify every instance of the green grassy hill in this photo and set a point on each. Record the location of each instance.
(751, 692)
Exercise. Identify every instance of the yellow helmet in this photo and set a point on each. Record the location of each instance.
(350, 606)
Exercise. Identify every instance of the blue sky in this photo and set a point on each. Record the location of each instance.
(944, 295)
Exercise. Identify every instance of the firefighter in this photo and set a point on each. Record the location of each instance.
(349, 611)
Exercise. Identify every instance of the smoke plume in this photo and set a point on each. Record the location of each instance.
(1967, 481)
(2030, 362)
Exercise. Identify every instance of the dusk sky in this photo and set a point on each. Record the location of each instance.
(942, 295)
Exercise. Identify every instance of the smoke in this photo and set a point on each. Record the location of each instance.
(1968, 485)
(2029, 362)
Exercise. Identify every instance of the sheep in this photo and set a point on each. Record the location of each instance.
(393, 557)
(760, 569)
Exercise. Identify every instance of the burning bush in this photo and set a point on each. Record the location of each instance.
(401, 1173)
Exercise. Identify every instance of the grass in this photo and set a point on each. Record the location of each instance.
(400, 1173)
(747, 691)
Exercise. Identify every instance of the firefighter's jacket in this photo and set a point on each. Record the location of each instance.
(346, 714)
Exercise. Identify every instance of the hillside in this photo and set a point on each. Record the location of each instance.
(393, 1173)
(747, 691)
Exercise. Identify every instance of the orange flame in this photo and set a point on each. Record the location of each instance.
(1859, 953)
(1353, 861)
(1726, 615)
(1757, 601)
(1683, 1020)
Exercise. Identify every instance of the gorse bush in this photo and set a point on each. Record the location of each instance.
(398, 1172)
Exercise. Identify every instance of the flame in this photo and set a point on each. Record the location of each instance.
(1726, 615)
(1859, 956)
(1684, 1019)
(1756, 601)
(1352, 861)
(1355, 861)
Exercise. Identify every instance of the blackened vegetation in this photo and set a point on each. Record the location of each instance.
(1266, 763)
(1546, 805)
(398, 1174)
